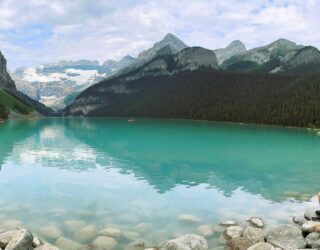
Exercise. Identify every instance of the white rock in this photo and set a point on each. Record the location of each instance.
(257, 222)
(255, 235)
(67, 244)
(187, 242)
(233, 232)
(310, 213)
(21, 240)
(85, 234)
(311, 226)
(11, 224)
(105, 242)
(36, 242)
(190, 218)
(110, 231)
(6, 237)
(206, 230)
(50, 232)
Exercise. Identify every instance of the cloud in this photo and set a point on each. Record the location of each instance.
(39, 31)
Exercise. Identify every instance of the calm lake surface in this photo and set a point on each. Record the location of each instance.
(140, 177)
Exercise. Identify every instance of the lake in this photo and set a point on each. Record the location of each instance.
(152, 179)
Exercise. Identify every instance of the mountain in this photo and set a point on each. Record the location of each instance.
(234, 48)
(191, 85)
(51, 84)
(13, 102)
(108, 92)
(170, 44)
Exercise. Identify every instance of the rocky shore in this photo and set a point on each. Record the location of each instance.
(251, 234)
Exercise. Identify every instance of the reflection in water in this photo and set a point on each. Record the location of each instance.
(111, 172)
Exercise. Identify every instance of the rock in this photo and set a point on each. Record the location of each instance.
(36, 242)
(11, 225)
(6, 237)
(312, 238)
(286, 237)
(46, 246)
(187, 242)
(311, 226)
(228, 223)
(110, 231)
(105, 242)
(189, 218)
(85, 234)
(205, 230)
(309, 214)
(233, 232)
(131, 235)
(298, 220)
(262, 246)
(137, 245)
(65, 243)
(50, 232)
(239, 243)
(141, 228)
(256, 222)
(21, 240)
(74, 225)
(255, 235)
(316, 245)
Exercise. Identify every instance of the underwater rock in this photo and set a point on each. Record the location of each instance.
(187, 242)
(206, 230)
(105, 242)
(50, 232)
(110, 231)
(85, 234)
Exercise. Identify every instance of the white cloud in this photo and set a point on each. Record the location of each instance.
(39, 31)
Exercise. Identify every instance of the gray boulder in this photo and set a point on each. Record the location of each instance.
(286, 237)
(187, 242)
(312, 238)
(298, 220)
(257, 222)
(255, 235)
(21, 240)
(316, 245)
(309, 214)
(239, 243)
(6, 237)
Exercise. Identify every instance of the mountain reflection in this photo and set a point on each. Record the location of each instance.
(271, 162)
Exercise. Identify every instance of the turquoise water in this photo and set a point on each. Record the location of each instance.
(140, 177)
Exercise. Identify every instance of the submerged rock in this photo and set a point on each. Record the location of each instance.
(130, 235)
(137, 245)
(86, 234)
(65, 243)
(74, 225)
(233, 232)
(105, 242)
(255, 235)
(187, 242)
(46, 246)
(286, 237)
(110, 231)
(21, 240)
(206, 230)
(50, 233)
(190, 218)
(256, 222)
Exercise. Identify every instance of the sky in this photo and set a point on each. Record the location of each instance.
(33, 32)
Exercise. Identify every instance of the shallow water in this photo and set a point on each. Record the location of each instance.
(140, 177)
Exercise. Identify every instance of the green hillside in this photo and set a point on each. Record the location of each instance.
(11, 104)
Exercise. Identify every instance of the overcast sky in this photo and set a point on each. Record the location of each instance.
(33, 32)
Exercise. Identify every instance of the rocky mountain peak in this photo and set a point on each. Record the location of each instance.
(283, 42)
(236, 44)
(5, 79)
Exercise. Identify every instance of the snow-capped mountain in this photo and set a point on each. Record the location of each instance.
(52, 83)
